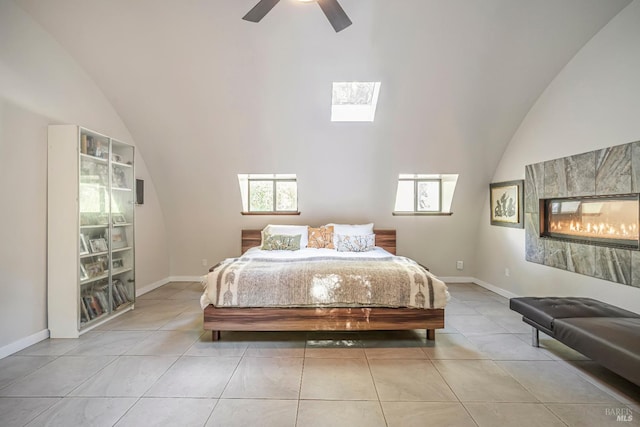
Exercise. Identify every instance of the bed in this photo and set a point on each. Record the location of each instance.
(226, 311)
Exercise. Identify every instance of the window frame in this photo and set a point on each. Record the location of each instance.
(355, 113)
(417, 179)
(416, 184)
(274, 180)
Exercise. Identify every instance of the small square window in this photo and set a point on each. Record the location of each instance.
(354, 101)
(268, 193)
(425, 194)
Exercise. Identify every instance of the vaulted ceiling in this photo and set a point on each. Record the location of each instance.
(206, 94)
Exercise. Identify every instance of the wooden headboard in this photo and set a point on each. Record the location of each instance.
(386, 239)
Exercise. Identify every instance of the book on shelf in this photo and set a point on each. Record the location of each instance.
(94, 146)
(95, 305)
(125, 291)
(84, 313)
(117, 298)
(102, 300)
(97, 300)
(87, 303)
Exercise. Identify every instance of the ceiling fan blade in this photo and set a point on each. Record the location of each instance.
(335, 14)
(260, 10)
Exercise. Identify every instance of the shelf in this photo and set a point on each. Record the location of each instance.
(123, 165)
(119, 309)
(87, 255)
(95, 319)
(114, 251)
(121, 270)
(122, 224)
(122, 306)
(121, 189)
(96, 253)
(94, 184)
(105, 275)
(95, 226)
(94, 279)
(93, 158)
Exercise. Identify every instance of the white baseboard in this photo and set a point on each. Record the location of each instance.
(156, 285)
(457, 279)
(143, 290)
(186, 278)
(23, 343)
(493, 288)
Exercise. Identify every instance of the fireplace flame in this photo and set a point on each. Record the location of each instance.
(603, 220)
(624, 231)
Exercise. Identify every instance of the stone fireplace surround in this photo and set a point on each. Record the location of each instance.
(609, 171)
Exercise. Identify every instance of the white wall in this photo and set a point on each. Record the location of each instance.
(593, 103)
(41, 85)
(208, 95)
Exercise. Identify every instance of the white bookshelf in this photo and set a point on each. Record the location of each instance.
(91, 229)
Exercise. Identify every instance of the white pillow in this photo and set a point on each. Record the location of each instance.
(302, 230)
(351, 230)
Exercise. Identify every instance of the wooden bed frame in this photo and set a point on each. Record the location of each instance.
(218, 319)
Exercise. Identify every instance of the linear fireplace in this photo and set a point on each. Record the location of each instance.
(611, 221)
(579, 232)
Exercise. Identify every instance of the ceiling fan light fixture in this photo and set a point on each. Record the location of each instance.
(331, 8)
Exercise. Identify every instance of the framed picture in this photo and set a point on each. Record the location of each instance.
(84, 249)
(506, 202)
(98, 245)
(117, 263)
(104, 260)
(94, 268)
(116, 158)
(119, 178)
(118, 238)
(118, 218)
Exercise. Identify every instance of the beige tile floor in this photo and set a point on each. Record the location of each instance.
(155, 366)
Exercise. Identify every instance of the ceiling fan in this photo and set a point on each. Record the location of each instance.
(331, 8)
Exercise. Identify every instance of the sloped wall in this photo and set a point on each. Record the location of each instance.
(592, 104)
(41, 85)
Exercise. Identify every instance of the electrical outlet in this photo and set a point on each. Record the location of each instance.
(507, 272)
(459, 265)
(204, 262)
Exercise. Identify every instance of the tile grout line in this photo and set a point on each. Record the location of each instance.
(375, 386)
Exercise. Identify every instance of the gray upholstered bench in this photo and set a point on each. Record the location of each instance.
(541, 312)
(605, 333)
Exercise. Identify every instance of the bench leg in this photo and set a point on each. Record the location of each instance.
(431, 334)
(535, 338)
(215, 335)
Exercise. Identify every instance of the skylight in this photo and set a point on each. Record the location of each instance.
(354, 101)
